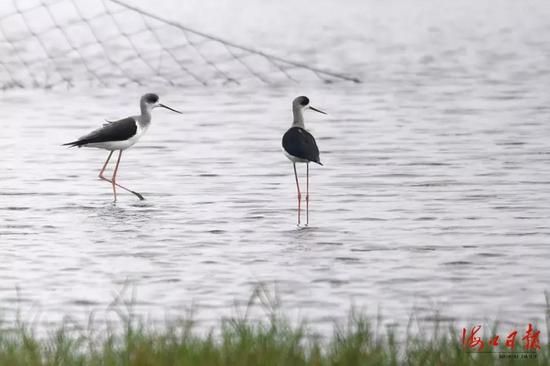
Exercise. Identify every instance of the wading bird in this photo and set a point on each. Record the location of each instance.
(121, 135)
(299, 146)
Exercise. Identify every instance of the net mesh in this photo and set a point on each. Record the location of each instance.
(111, 43)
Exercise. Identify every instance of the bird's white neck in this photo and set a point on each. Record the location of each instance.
(145, 114)
(298, 117)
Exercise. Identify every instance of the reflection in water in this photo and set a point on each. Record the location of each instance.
(116, 217)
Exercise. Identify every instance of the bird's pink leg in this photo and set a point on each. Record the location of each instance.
(307, 194)
(105, 166)
(101, 176)
(113, 179)
(299, 194)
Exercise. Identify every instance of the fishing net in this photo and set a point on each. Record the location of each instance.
(52, 43)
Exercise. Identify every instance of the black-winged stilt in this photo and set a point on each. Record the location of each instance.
(299, 146)
(121, 135)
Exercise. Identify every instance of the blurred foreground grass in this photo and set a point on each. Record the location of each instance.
(245, 342)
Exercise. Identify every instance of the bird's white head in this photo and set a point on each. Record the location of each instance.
(149, 101)
(299, 105)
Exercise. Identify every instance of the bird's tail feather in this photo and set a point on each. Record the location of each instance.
(77, 143)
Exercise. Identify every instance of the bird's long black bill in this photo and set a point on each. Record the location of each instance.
(317, 110)
(173, 110)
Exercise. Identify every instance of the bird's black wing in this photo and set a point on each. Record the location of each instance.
(301, 144)
(112, 131)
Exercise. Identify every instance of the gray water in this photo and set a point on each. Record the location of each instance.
(434, 194)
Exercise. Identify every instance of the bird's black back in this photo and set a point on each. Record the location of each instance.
(112, 131)
(301, 144)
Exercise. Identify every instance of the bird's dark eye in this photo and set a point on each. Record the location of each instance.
(152, 98)
(304, 101)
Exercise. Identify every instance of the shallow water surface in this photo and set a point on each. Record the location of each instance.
(434, 194)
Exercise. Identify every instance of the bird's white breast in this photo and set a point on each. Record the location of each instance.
(121, 145)
(293, 158)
